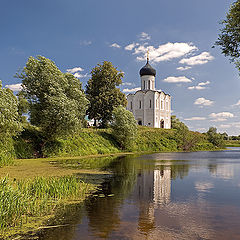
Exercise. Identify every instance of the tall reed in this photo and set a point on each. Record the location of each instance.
(20, 199)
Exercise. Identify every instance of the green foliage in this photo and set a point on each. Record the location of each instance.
(103, 94)
(87, 142)
(9, 118)
(124, 127)
(9, 125)
(21, 199)
(229, 38)
(215, 138)
(155, 140)
(56, 100)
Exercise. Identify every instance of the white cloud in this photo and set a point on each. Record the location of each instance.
(144, 36)
(127, 90)
(199, 86)
(237, 104)
(85, 42)
(225, 126)
(196, 87)
(180, 79)
(127, 84)
(218, 120)
(79, 75)
(183, 68)
(115, 45)
(204, 83)
(15, 87)
(195, 119)
(164, 52)
(131, 46)
(221, 115)
(74, 70)
(200, 59)
(203, 102)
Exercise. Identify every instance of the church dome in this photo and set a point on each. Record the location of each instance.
(147, 70)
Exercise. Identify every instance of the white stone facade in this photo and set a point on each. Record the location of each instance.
(150, 107)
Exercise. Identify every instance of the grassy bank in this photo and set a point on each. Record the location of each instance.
(101, 141)
(32, 201)
(232, 143)
(36, 189)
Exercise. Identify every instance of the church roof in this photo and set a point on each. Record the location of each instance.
(147, 70)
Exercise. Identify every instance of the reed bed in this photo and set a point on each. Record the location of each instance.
(21, 199)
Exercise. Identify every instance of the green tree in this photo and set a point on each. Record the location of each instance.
(57, 103)
(215, 138)
(124, 127)
(229, 37)
(9, 124)
(103, 94)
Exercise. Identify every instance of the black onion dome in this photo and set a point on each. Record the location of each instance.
(147, 70)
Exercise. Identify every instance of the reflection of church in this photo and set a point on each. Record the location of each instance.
(150, 107)
(154, 186)
(152, 189)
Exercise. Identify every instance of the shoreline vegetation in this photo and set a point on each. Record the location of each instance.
(30, 178)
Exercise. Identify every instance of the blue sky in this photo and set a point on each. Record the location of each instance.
(179, 35)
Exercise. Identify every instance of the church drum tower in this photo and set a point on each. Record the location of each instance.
(149, 106)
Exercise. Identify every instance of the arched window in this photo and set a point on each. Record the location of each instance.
(131, 105)
(149, 84)
(150, 103)
(144, 85)
(162, 124)
(140, 104)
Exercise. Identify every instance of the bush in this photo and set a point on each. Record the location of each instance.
(124, 127)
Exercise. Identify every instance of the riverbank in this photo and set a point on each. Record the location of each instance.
(90, 141)
(34, 190)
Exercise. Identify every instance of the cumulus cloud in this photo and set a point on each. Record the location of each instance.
(79, 75)
(181, 79)
(203, 102)
(74, 70)
(184, 68)
(14, 87)
(221, 115)
(115, 45)
(200, 86)
(163, 52)
(195, 119)
(200, 59)
(131, 46)
(144, 36)
(127, 90)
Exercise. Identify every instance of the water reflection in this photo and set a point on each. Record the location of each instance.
(162, 196)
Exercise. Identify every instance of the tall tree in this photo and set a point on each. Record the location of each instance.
(229, 37)
(102, 92)
(57, 103)
(10, 124)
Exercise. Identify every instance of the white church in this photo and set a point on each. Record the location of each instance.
(149, 106)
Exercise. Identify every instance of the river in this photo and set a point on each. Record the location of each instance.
(192, 195)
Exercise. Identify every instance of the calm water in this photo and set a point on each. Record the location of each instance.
(161, 196)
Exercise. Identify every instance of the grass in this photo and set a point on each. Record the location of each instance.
(35, 189)
(29, 198)
(232, 143)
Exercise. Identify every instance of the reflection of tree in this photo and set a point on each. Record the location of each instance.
(103, 213)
